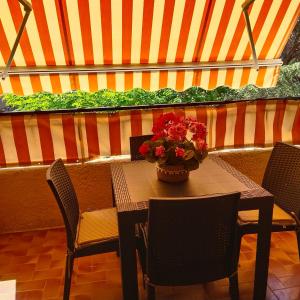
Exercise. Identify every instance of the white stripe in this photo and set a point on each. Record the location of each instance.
(103, 134)
(154, 81)
(288, 121)
(221, 77)
(211, 127)
(252, 76)
(158, 12)
(65, 83)
(269, 78)
(250, 120)
(46, 83)
(137, 27)
(175, 30)
(57, 134)
(172, 75)
(6, 85)
(137, 79)
(74, 21)
(269, 122)
(116, 26)
(26, 85)
(204, 82)
(54, 32)
(102, 81)
(33, 138)
(120, 82)
(147, 122)
(237, 76)
(188, 79)
(230, 125)
(84, 82)
(125, 129)
(8, 141)
(96, 31)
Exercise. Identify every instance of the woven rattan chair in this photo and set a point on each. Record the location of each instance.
(190, 241)
(88, 233)
(135, 142)
(282, 179)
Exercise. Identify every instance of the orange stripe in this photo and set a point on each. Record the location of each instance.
(74, 80)
(4, 46)
(136, 122)
(2, 155)
(245, 77)
(36, 83)
(17, 16)
(86, 34)
(201, 113)
(16, 84)
(146, 30)
(1, 90)
(204, 29)
(92, 134)
(239, 130)
(55, 83)
(70, 137)
(296, 128)
(114, 134)
(163, 79)
(165, 31)
(261, 76)
(156, 113)
(43, 123)
(185, 29)
(146, 80)
(128, 81)
(259, 139)
(180, 75)
(43, 28)
(93, 83)
(221, 126)
(66, 31)
(20, 138)
(213, 79)
(197, 77)
(106, 31)
(126, 31)
(111, 81)
(180, 112)
(278, 121)
(196, 55)
(226, 14)
(63, 33)
(229, 77)
(288, 32)
(257, 27)
(274, 29)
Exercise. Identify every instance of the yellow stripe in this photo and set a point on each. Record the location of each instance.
(175, 30)
(250, 119)
(172, 79)
(125, 130)
(46, 83)
(102, 81)
(212, 31)
(205, 79)
(120, 82)
(194, 30)
(103, 134)
(230, 125)
(252, 76)
(136, 35)
(6, 85)
(96, 30)
(26, 85)
(237, 76)
(268, 80)
(211, 127)
(116, 16)
(84, 82)
(137, 79)
(65, 83)
(269, 120)
(156, 30)
(288, 121)
(154, 81)
(75, 29)
(57, 136)
(147, 121)
(188, 79)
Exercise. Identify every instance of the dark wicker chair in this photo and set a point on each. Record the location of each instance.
(135, 143)
(190, 241)
(88, 233)
(282, 179)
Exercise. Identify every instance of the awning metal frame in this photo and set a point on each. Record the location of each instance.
(27, 8)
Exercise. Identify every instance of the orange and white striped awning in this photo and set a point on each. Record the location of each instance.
(99, 34)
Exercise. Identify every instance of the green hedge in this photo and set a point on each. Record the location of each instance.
(288, 86)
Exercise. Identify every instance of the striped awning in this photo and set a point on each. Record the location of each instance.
(95, 44)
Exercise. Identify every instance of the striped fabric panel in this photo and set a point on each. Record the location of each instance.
(41, 138)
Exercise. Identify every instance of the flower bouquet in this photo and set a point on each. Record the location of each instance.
(178, 146)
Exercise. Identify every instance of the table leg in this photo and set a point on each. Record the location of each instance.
(263, 251)
(128, 257)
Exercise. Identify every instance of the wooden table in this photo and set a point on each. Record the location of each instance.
(135, 182)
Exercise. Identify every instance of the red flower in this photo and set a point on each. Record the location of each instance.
(177, 132)
(163, 123)
(160, 151)
(144, 148)
(179, 152)
(201, 144)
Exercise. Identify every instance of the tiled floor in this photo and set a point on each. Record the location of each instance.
(36, 261)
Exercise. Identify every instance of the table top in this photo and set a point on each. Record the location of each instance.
(135, 182)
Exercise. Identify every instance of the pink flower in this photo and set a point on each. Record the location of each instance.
(177, 132)
(160, 151)
(198, 130)
(201, 144)
(179, 152)
(144, 148)
(163, 123)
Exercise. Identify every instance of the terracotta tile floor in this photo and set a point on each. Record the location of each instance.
(36, 261)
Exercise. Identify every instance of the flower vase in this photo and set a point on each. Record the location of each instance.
(172, 173)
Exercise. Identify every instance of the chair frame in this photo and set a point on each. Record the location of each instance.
(74, 250)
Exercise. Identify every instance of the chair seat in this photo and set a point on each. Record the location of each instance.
(98, 225)
(279, 216)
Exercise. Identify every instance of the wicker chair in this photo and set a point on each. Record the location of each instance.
(190, 241)
(88, 233)
(135, 142)
(282, 179)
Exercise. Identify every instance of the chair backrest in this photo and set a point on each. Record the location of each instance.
(192, 240)
(282, 177)
(63, 190)
(135, 143)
